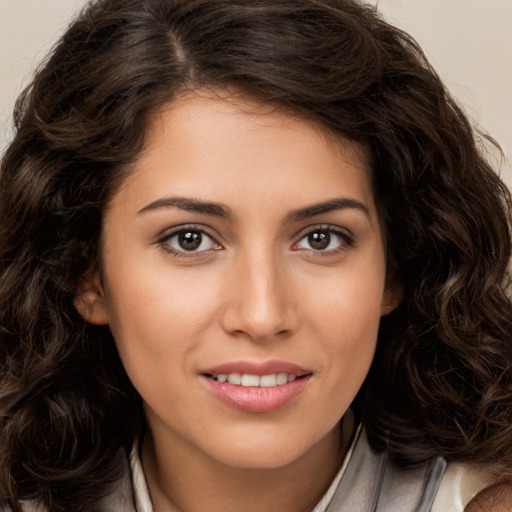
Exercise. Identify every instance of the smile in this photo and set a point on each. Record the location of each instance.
(248, 380)
(256, 387)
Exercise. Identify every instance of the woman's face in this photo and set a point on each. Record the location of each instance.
(243, 280)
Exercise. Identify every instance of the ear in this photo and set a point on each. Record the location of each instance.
(90, 300)
(392, 295)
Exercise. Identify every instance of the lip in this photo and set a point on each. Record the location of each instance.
(256, 399)
(257, 368)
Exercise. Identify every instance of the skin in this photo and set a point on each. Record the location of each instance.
(495, 498)
(255, 290)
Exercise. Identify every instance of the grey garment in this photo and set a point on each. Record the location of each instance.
(372, 483)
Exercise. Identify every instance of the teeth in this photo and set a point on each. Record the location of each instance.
(281, 378)
(267, 381)
(235, 378)
(248, 380)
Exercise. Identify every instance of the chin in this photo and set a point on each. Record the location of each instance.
(271, 451)
(264, 459)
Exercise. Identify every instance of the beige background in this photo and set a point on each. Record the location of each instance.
(468, 41)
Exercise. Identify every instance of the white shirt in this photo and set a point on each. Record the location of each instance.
(459, 484)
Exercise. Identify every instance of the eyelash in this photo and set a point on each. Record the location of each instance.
(346, 241)
(164, 242)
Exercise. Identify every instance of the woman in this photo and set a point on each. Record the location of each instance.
(252, 258)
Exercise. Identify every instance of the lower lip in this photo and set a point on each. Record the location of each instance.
(256, 399)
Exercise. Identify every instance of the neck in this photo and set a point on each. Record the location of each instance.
(180, 482)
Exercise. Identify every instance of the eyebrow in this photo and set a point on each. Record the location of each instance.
(191, 205)
(326, 207)
(220, 210)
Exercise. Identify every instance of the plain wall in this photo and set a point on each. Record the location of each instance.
(468, 41)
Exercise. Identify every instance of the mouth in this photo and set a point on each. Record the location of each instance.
(257, 387)
(256, 381)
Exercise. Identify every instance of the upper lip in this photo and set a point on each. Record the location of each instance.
(256, 368)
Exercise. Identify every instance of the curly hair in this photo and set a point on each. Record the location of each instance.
(441, 381)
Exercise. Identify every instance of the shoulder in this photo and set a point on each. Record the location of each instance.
(119, 496)
(459, 485)
(26, 506)
(371, 477)
(495, 498)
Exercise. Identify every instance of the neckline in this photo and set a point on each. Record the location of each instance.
(142, 499)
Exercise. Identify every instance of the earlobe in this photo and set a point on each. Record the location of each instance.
(392, 296)
(90, 300)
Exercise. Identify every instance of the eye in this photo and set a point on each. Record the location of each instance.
(326, 239)
(188, 240)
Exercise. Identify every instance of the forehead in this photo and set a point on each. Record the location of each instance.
(270, 114)
(209, 144)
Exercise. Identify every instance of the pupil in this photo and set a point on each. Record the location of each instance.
(189, 240)
(319, 240)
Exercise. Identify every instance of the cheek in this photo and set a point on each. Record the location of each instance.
(347, 307)
(348, 330)
(158, 319)
(345, 316)
(157, 300)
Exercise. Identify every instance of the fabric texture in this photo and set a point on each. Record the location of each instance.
(366, 482)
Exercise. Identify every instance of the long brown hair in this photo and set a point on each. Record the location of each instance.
(441, 382)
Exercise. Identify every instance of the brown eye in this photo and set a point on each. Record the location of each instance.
(190, 240)
(319, 240)
(328, 239)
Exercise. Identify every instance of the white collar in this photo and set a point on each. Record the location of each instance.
(143, 501)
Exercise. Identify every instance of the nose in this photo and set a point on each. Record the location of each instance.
(259, 303)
